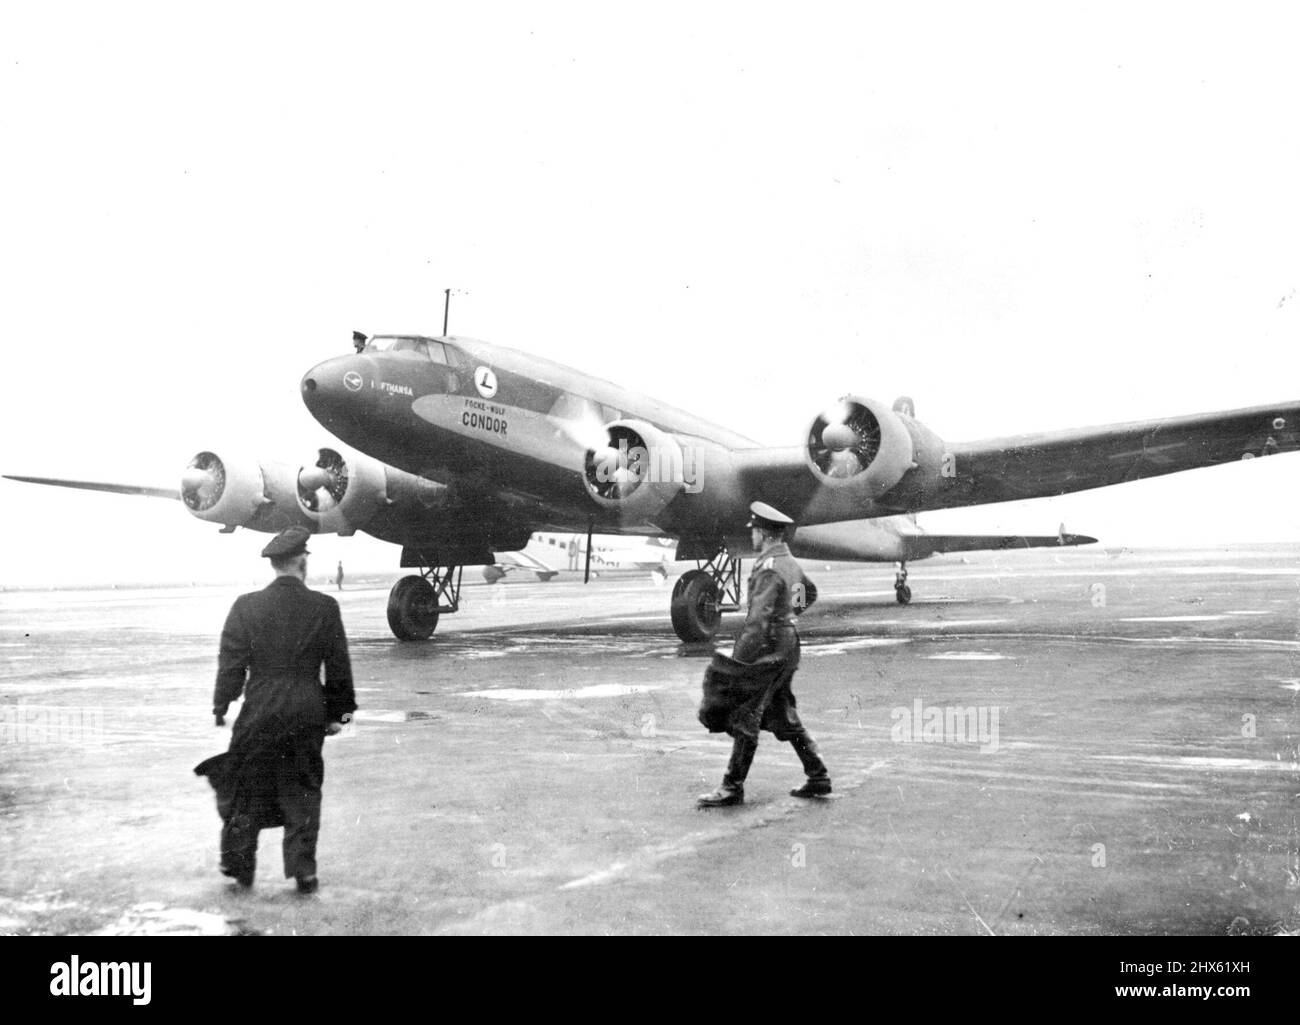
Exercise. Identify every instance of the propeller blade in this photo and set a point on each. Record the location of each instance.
(195, 478)
(839, 413)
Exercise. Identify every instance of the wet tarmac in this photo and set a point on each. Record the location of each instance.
(1042, 742)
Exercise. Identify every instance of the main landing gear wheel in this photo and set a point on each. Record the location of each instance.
(702, 595)
(413, 609)
(902, 593)
(696, 606)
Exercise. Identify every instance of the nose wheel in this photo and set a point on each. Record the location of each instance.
(902, 593)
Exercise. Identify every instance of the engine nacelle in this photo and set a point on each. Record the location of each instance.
(638, 472)
(340, 494)
(861, 444)
(230, 492)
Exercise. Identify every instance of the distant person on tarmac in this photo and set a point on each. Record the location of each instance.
(338, 577)
(272, 648)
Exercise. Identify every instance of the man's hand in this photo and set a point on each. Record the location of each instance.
(221, 719)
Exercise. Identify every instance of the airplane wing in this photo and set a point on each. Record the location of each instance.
(922, 546)
(91, 485)
(1058, 462)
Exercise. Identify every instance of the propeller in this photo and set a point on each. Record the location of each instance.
(844, 440)
(195, 478)
(321, 487)
(609, 472)
(203, 482)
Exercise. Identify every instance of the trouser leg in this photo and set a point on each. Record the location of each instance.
(806, 748)
(301, 774)
(239, 848)
(732, 790)
(742, 756)
(301, 828)
(788, 726)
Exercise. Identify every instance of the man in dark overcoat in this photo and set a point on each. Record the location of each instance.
(272, 648)
(750, 690)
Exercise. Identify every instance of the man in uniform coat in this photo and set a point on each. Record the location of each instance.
(766, 656)
(272, 648)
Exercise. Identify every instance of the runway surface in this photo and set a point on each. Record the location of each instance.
(1042, 742)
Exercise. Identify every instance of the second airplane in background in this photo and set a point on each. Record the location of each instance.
(548, 555)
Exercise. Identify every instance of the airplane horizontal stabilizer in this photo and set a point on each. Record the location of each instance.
(921, 546)
(90, 485)
(521, 560)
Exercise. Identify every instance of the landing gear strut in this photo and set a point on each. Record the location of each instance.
(415, 602)
(902, 593)
(701, 595)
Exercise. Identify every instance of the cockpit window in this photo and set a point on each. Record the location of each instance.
(413, 348)
(398, 344)
(381, 343)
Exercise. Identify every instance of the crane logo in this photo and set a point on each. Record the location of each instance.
(485, 381)
(352, 381)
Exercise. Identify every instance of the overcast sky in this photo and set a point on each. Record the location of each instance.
(1025, 216)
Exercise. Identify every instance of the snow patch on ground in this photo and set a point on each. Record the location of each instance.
(155, 919)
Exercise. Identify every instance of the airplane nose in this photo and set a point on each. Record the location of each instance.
(311, 389)
(330, 390)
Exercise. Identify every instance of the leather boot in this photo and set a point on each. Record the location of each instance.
(819, 780)
(732, 790)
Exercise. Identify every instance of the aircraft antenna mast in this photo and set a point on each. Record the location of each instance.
(446, 309)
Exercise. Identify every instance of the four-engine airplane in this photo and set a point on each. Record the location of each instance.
(466, 449)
